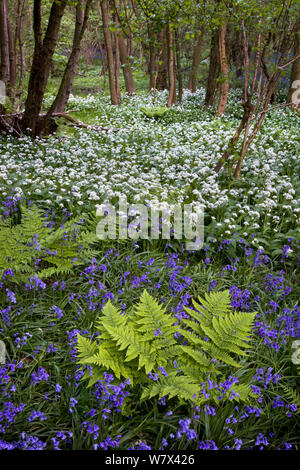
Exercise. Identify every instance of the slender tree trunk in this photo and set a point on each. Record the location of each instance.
(172, 78)
(236, 53)
(178, 67)
(248, 140)
(21, 45)
(109, 52)
(125, 62)
(124, 59)
(18, 25)
(224, 85)
(117, 68)
(162, 77)
(248, 108)
(213, 72)
(254, 114)
(197, 53)
(155, 77)
(151, 64)
(62, 97)
(19, 53)
(117, 37)
(129, 44)
(294, 91)
(4, 45)
(237, 172)
(104, 64)
(42, 58)
(12, 60)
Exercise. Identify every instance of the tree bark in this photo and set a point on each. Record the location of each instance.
(178, 67)
(224, 85)
(117, 63)
(12, 60)
(213, 72)
(109, 52)
(19, 41)
(4, 45)
(236, 53)
(124, 58)
(21, 44)
(42, 58)
(248, 140)
(151, 63)
(294, 92)
(197, 53)
(62, 97)
(125, 62)
(171, 67)
(162, 76)
(248, 108)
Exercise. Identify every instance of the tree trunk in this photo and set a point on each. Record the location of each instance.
(104, 64)
(178, 67)
(18, 41)
(155, 78)
(62, 97)
(12, 60)
(129, 44)
(171, 68)
(236, 53)
(162, 76)
(213, 72)
(197, 53)
(224, 85)
(294, 91)
(42, 58)
(109, 52)
(125, 61)
(21, 44)
(117, 68)
(4, 45)
(252, 114)
(248, 109)
(151, 63)
(248, 140)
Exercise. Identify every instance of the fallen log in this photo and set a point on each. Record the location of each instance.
(9, 123)
(81, 124)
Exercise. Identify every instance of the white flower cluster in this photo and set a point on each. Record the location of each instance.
(168, 160)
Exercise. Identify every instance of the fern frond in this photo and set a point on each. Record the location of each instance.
(112, 317)
(22, 244)
(114, 363)
(173, 386)
(201, 360)
(151, 316)
(218, 303)
(292, 396)
(86, 348)
(129, 347)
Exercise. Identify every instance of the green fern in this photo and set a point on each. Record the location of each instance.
(147, 341)
(292, 396)
(227, 332)
(23, 243)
